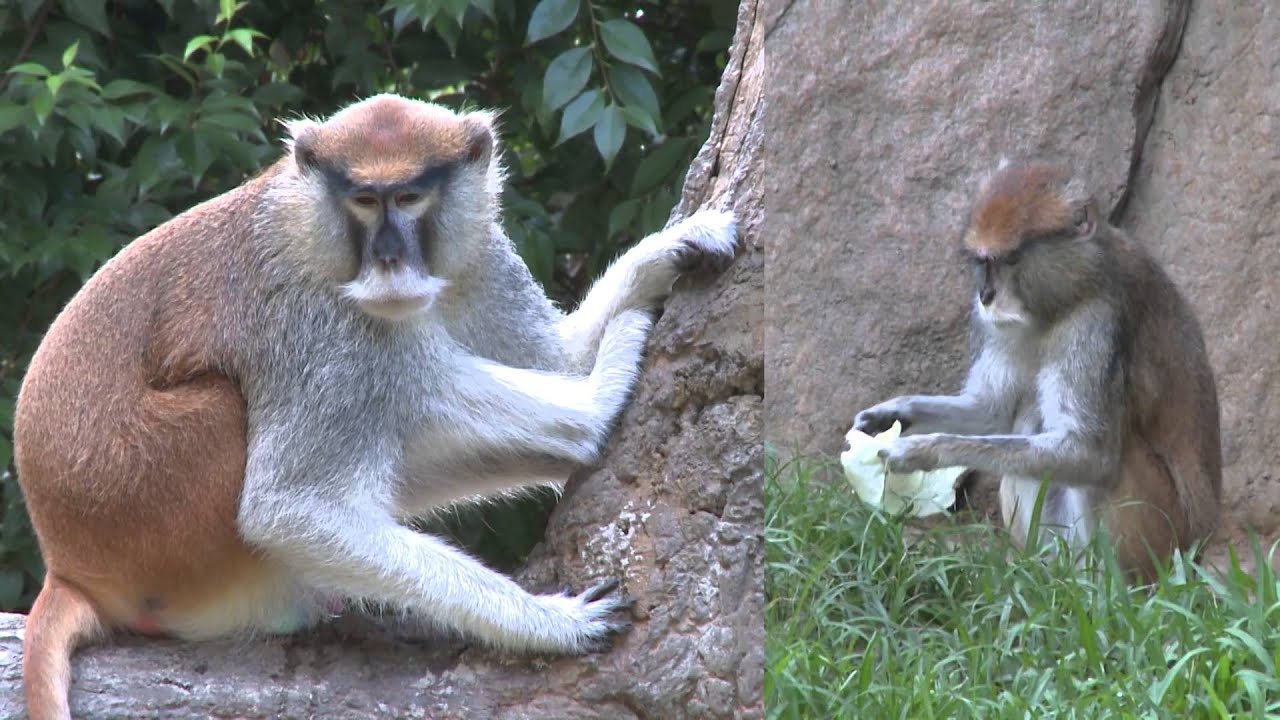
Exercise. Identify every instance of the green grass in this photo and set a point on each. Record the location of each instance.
(867, 618)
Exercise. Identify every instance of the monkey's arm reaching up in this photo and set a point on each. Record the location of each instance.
(642, 277)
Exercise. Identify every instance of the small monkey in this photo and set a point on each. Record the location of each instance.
(1088, 369)
(228, 427)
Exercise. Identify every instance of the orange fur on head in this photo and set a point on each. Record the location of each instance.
(1017, 202)
(387, 139)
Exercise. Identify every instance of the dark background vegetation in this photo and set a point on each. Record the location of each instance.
(116, 115)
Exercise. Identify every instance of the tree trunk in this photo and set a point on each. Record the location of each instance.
(676, 509)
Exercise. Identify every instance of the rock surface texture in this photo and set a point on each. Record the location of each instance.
(884, 116)
(676, 510)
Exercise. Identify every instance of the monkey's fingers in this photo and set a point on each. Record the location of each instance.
(709, 241)
(615, 604)
(600, 590)
(874, 422)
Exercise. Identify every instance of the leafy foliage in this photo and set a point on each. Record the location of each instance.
(115, 116)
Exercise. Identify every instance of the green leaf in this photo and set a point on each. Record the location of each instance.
(110, 120)
(195, 154)
(401, 19)
(80, 76)
(565, 78)
(11, 116)
(196, 44)
(622, 215)
(69, 55)
(227, 9)
(627, 42)
(714, 41)
(277, 94)
(550, 17)
(456, 8)
(640, 120)
(449, 31)
(30, 68)
(177, 67)
(635, 91)
(610, 132)
(42, 104)
(216, 62)
(54, 84)
(658, 165)
(486, 7)
(580, 114)
(117, 89)
(231, 121)
(90, 13)
(244, 38)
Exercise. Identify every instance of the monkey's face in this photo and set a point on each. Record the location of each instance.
(408, 178)
(997, 297)
(1031, 243)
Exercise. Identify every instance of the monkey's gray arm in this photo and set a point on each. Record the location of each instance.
(341, 538)
(983, 408)
(1079, 400)
(641, 279)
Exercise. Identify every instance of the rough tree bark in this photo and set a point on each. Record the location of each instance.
(676, 510)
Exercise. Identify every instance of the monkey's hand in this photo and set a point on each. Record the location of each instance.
(909, 454)
(592, 618)
(707, 238)
(878, 418)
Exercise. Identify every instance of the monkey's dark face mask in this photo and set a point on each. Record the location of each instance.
(389, 230)
(997, 298)
(1042, 276)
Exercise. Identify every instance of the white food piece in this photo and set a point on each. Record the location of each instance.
(920, 493)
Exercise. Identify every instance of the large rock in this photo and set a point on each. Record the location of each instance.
(677, 509)
(891, 112)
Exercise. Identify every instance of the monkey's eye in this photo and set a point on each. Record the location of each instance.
(408, 198)
(367, 200)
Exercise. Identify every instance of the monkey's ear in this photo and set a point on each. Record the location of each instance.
(479, 139)
(1085, 221)
(303, 136)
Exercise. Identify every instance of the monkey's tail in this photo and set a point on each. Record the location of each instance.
(61, 618)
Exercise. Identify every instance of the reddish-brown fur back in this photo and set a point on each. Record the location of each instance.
(130, 440)
(1173, 457)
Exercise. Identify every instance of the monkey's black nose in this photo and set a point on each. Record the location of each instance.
(987, 295)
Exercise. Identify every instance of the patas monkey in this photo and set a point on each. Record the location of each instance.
(1089, 369)
(225, 429)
